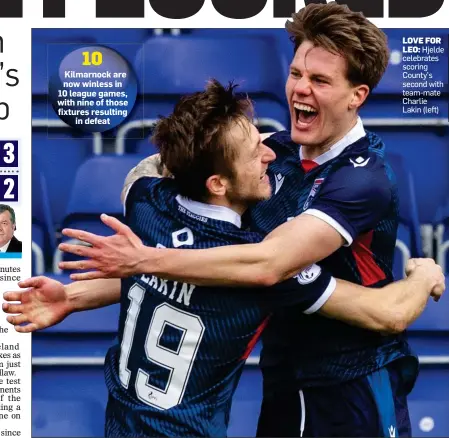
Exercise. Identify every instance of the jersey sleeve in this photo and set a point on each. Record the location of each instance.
(308, 290)
(353, 200)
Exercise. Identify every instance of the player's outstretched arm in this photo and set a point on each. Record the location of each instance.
(262, 264)
(392, 308)
(45, 302)
(287, 250)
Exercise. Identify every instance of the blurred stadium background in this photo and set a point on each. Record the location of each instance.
(76, 176)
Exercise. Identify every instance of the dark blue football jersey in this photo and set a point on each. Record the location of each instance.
(356, 192)
(181, 348)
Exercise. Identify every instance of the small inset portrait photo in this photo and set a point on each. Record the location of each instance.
(10, 245)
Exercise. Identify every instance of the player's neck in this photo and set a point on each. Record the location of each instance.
(310, 152)
(224, 202)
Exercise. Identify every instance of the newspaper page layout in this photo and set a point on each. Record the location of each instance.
(289, 145)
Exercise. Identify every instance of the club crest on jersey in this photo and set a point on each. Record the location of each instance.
(309, 274)
(313, 192)
(359, 161)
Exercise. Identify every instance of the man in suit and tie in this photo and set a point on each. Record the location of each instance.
(8, 243)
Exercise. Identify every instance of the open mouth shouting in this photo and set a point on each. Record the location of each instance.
(304, 114)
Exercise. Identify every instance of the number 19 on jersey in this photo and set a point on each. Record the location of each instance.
(178, 360)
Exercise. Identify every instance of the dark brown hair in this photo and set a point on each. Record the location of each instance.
(192, 141)
(337, 29)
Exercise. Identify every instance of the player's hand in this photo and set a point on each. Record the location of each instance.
(114, 256)
(42, 304)
(428, 270)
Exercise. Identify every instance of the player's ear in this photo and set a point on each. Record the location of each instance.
(359, 96)
(216, 185)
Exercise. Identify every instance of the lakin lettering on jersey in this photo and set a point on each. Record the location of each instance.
(179, 292)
